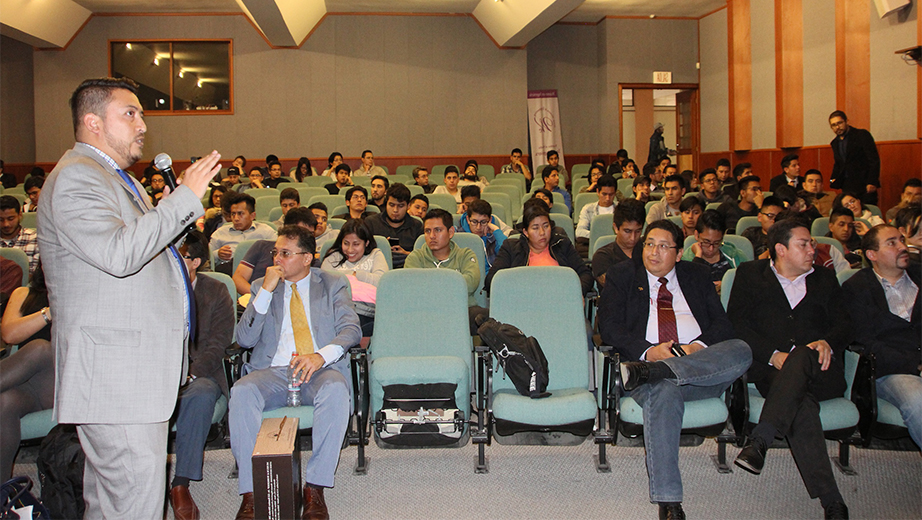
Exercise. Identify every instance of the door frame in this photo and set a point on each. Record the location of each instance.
(696, 124)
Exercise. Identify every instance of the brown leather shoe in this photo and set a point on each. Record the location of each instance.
(315, 508)
(246, 511)
(184, 507)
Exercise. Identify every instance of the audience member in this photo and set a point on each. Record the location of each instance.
(883, 302)
(909, 222)
(479, 220)
(517, 166)
(421, 179)
(674, 188)
(758, 236)
(368, 168)
(627, 223)
(379, 186)
(323, 232)
(275, 175)
(26, 376)
(711, 250)
(730, 186)
(335, 160)
(469, 194)
(540, 245)
(546, 196)
(691, 209)
(857, 164)
(748, 206)
(658, 150)
(822, 201)
(912, 194)
(12, 234)
(629, 169)
(607, 187)
(674, 348)
(276, 327)
(356, 204)
(243, 227)
(7, 179)
(469, 176)
(842, 228)
(205, 383)
(451, 185)
(33, 188)
(259, 257)
(355, 254)
(641, 188)
(419, 206)
(240, 162)
(710, 192)
(553, 159)
(797, 365)
(288, 200)
(213, 207)
(303, 169)
(551, 179)
(440, 252)
(853, 203)
(394, 224)
(256, 180)
(231, 178)
(270, 159)
(343, 174)
(790, 166)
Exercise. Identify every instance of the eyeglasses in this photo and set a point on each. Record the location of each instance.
(284, 253)
(479, 222)
(770, 216)
(708, 243)
(662, 248)
(187, 257)
(851, 203)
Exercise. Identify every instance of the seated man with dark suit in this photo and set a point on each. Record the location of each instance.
(683, 341)
(791, 314)
(301, 317)
(884, 307)
(214, 331)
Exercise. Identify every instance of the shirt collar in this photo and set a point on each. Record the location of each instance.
(654, 280)
(886, 283)
(784, 280)
(110, 161)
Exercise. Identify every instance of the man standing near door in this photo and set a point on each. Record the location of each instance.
(857, 163)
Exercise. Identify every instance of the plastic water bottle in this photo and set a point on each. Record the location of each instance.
(294, 391)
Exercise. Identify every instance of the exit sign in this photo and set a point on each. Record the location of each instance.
(662, 77)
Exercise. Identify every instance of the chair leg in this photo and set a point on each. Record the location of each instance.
(720, 460)
(601, 460)
(842, 461)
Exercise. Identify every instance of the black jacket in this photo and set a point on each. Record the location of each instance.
(895, 342)
(625, 307)
(763, 318)
(859, 167)
(514, 253)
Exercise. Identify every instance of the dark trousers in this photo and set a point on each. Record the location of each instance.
(792, 397)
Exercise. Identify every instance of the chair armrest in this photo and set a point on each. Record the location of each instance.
(864, 395)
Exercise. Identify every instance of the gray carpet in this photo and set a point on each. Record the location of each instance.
(538, 482)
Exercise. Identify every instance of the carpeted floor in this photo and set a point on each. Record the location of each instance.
(538, 482)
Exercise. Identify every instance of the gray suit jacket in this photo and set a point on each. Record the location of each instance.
(117, 294)
(333, 320)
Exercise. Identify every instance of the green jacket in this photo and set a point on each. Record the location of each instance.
(729, 250)
(460, 259)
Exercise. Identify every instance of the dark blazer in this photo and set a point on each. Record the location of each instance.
(859, 167)
(625, 307)
(214, 329)
(763, 318)
(782, 180)
(514, 253)
(895, 342)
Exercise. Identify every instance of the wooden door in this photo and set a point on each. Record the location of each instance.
(686, 115)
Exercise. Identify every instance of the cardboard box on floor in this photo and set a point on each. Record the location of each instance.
(277, 470)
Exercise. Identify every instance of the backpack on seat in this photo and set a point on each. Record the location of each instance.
(521, 357)
(60, 471)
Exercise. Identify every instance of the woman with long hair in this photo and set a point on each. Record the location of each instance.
(335, 160)
(303, 169)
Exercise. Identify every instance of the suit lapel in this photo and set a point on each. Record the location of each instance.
(641, 288)
(774, 289)
(142, 204)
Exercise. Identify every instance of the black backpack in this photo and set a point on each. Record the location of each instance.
(60, 471)
(521, 357)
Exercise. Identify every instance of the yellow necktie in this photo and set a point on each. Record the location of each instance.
(302, 331)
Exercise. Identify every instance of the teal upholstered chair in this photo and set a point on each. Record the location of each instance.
(600, 226)
(406, 169)
(408, 351)
(263, 192)
(274, 214)
(20, 257)
(745, 223)
(475, 244)
(601, 242)
(444, 201)
(568, 415)
(580, 200)
(331, 201)
(741, 243)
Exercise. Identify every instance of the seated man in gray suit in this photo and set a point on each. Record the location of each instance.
(304, 318)
(205, 383)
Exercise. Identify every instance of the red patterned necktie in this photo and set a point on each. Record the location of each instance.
(665, 314)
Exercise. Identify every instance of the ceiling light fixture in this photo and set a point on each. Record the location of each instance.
(156, 61)
(128, 46)
(181, 73)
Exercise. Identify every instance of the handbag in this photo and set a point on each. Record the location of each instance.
(16, 493)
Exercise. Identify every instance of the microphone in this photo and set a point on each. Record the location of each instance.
(164, 164)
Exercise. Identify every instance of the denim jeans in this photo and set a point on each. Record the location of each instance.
(702, 375)
(905, 392)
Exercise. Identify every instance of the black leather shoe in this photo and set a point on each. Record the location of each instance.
(752, 458)
(315, 507)
(634, 374)
(671, 512)
(836, 511)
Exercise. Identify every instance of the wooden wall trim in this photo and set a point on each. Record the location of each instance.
(853, 60)
(789, 73)
(919, 79)
(739, 72)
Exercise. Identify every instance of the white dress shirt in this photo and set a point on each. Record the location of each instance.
(686, 325)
